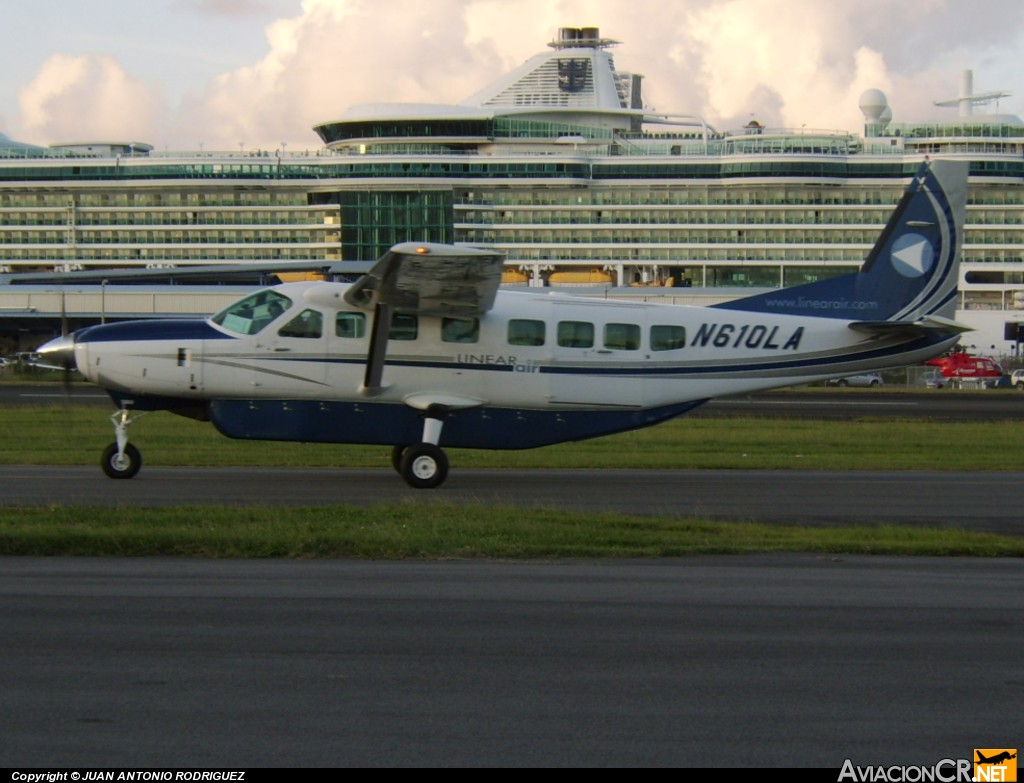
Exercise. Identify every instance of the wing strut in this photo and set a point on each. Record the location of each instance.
(378, 348)
(422, 279)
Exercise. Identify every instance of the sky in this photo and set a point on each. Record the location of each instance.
(259, 74)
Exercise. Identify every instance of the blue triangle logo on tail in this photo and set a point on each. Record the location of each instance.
(912, 255)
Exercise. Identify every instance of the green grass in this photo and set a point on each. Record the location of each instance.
(75, 435)
(442, 531)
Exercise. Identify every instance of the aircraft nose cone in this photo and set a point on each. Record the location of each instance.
(59, 352)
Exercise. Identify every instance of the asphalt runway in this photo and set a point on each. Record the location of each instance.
(723, 662)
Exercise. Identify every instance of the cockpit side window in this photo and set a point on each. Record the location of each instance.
(307, 324)
(252, 314)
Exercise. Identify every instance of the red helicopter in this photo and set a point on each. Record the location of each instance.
(961, 364)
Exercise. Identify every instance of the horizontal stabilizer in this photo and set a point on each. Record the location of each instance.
(926, 325)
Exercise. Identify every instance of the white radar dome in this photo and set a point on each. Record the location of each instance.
(872, 104)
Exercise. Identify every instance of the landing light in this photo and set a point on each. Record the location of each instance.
(422, 251)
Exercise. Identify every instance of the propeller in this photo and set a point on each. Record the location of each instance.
(58, 353)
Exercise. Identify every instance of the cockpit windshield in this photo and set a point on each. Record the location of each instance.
(251, 314)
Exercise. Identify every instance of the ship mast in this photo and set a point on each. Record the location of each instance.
(968, 98)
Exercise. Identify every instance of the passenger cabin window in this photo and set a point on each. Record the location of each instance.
(351, 326)
(575, 334)
(308, 324)
(404, 327)
(252, 314)
(460, 330)
(668, 338)
(526, 331)
(622, 337)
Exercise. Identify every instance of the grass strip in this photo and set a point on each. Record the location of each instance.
(448, 531)
(76, 435)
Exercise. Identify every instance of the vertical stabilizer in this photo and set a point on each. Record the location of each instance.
(911, 272)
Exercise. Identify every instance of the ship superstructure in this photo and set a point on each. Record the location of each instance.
(557, 165)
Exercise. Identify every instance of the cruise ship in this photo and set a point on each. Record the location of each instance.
(560, 167)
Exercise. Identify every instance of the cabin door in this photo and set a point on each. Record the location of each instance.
(599, 357)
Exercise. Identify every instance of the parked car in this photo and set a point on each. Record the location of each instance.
(1002, 382)
(935, 380)
(1017, 379)
(865, 379)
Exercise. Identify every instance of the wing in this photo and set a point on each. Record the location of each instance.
(425, 279)
(431, 279)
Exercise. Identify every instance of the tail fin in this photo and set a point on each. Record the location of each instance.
(912, 271)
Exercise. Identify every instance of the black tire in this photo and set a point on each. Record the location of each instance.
(1020, 385)
(842, 382)
(123, 467)
(424, 466)
(875, 383)
(396, 457)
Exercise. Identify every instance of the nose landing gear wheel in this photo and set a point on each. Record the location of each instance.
(121, 466)
(424, 466)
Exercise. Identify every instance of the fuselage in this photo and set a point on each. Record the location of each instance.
(531, 351)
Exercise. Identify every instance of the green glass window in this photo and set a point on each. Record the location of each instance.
(526, 331)
(622, 337)
(460, 330)
(668, 338)
(252, 314)
(575, 334)
(351, 326)
(307, 325)
(404, 327)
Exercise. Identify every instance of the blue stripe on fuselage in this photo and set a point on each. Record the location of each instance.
(686, 366)
(156, 329)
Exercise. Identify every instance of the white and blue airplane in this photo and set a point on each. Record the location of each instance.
(424, 351)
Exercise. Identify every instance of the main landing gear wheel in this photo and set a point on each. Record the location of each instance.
(121, 465)
(424, 466)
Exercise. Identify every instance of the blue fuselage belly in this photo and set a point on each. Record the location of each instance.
(384, 423)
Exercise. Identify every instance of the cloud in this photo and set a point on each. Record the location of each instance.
(223, 7)
(335, 54)
(790, 63)
(86, 98)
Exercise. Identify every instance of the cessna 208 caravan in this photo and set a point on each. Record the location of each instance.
(424, 351)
